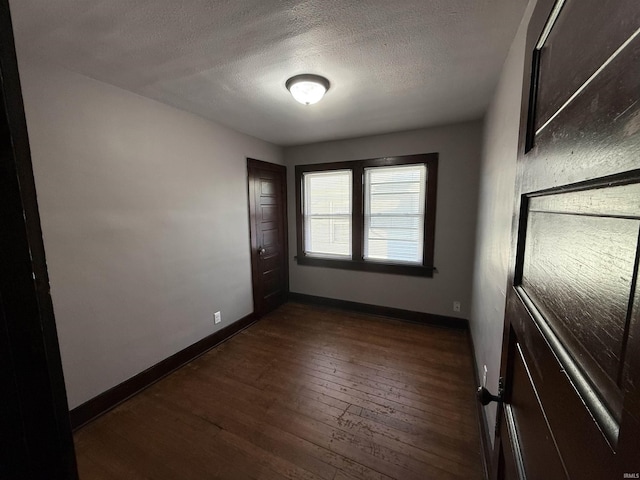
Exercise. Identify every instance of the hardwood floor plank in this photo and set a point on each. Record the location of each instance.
(212, 398)
(438, 377)
(354, 376)
(377, 333)
(92, 470)
(302, 396)
(306, 393)
(362, 395)
(219, 382)
(343, 420)
(280, 374)
(386, 358)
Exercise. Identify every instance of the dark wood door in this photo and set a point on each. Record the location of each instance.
(35, 433)
(571, 347)
(268, 223)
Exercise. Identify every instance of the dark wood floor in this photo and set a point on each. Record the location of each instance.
(305, 393)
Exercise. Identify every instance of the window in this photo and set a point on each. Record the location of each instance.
(327, 213)
(394, 213)
(372, 215)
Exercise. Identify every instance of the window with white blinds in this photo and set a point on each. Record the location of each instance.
(327, 213)
(375, 215)
(394, 203)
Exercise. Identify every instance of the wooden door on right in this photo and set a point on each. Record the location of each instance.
(571, 347)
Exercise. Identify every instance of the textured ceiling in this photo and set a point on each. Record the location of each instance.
(393, 65)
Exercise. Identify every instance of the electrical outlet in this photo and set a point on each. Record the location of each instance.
(456, 306)
(484, 376)
(217, 317)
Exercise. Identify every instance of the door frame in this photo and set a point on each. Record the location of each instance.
(253, 239)
(36, 441)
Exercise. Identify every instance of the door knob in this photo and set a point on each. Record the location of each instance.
(485, 397)
(261, 251)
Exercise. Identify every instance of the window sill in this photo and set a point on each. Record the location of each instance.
(411, 270)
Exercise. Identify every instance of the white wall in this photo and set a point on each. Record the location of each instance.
(495, 209)
(145, 223)
(459, 147)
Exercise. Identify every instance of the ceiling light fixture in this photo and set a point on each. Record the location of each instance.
(307, 88)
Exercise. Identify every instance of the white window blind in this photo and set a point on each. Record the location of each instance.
(327, 213)
(394, 213)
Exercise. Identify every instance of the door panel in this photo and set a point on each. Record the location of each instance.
(577, 434)
(540, 458)
(267, 212)
(597, 133)
(578, 268)
(578, 45)
(570, 354)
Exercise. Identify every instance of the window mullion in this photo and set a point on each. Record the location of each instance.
(357, 232)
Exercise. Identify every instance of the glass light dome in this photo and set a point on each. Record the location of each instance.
(307, 89)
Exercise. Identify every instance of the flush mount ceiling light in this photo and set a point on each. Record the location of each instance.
(308, 89)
